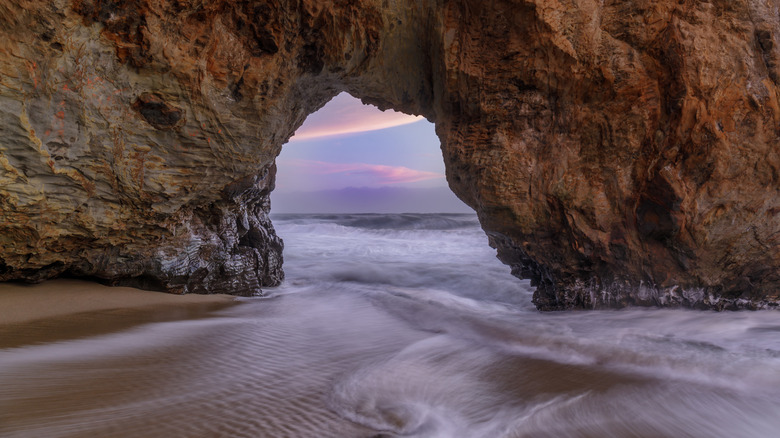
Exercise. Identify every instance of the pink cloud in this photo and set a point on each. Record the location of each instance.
(381, 174)
(346, 115)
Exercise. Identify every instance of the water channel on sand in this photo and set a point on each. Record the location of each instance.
(390, 325)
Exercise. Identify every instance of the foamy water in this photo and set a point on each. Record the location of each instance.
(402, 325)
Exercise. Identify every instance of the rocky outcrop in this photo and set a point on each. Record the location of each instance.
(617, 153)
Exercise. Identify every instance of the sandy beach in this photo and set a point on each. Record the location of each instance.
(68, 309)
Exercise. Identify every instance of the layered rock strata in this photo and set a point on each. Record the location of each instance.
(617, 153)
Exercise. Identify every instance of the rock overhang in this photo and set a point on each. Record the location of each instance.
(613, 154)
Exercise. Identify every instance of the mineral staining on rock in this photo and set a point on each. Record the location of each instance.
(122, 173)
(617, 153)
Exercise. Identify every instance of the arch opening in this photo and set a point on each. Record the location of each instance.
(349, 157)
(363, 205)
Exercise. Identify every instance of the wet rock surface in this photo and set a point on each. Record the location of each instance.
(617, 153)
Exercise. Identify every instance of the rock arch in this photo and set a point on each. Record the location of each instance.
(614, 154)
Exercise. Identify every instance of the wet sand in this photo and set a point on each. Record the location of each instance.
(69, 309)
(339, 363)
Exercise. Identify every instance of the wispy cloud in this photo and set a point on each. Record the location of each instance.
(346, 115)
(376, 172)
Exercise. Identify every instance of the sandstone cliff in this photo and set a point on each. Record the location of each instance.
(616, 152)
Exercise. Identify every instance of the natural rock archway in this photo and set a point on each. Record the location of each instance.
(616, 152)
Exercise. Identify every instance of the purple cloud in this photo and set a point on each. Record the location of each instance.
(377, 172)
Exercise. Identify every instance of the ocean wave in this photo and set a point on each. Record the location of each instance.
(402, 221)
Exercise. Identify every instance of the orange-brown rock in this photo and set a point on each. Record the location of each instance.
(616, 152)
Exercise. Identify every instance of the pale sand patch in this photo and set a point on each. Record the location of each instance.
(20, 303)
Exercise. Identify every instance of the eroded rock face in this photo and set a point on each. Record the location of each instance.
(617, 153)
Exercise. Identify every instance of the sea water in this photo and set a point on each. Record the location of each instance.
(402, 326)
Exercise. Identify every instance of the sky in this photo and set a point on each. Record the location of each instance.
(353, 158)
